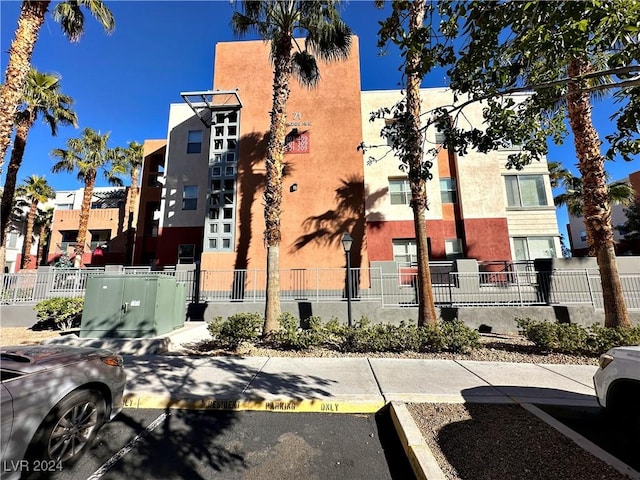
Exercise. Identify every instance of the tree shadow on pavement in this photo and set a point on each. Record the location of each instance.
(185, 444)
(484, 441)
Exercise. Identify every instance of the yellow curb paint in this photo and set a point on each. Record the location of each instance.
(273, 405)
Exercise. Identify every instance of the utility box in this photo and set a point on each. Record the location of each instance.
(132, 306)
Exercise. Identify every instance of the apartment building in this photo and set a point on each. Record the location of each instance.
(477, 208)
(106, 240)
(578, 234)
(202, 200)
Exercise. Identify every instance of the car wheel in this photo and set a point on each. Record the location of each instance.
(69, 429)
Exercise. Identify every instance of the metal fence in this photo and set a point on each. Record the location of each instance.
(510, 287)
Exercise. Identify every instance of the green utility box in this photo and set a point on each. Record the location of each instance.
(132, 306)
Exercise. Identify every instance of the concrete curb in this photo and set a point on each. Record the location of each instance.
(280, 405)
(423, 463)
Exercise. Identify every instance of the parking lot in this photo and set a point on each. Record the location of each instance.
(179, 444)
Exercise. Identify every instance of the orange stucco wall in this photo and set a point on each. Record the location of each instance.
(99, 219)
(329, 199)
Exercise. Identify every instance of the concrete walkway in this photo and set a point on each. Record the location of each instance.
(161, 376)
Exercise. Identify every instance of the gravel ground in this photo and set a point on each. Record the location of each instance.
(24, 336)
(489, 442)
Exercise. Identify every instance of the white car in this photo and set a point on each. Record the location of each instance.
(54, 399)
(617, 380)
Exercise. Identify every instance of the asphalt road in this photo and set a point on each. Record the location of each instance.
(154, 444)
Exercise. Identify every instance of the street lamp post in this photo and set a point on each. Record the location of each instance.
(347, 241)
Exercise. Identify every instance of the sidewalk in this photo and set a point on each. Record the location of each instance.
(158, 376)
(345, 385)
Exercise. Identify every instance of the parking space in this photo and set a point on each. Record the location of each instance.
(154, 444)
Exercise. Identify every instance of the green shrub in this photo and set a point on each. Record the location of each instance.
(59, 313)
(292, 337)
(603, 338)
(541, 333)
(238, 328)
(362, 337)
(574, 339)
(458, 337)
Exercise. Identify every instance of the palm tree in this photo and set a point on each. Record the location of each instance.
(42, 227)
(34, 190)
(131, 159)
(328, 38)
(620, 193)
(426, 305)
(41, 97)
(32, 15)
(87, 155)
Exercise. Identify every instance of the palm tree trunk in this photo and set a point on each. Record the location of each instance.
(426, 307)
(596, 208)
(42, 239)
(273, 187)
(8, 194)
(85, 210)
(28, 236)
(32, 15)
(131, 206)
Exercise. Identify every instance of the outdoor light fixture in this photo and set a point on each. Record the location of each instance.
(293, 187)
(347, 242)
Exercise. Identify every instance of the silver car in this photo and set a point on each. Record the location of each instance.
(54, 400)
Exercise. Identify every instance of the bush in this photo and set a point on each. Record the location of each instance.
(458, 337)
(574, 339)
(363, 337)
(238, 328)
(292, 337)
(59, 313)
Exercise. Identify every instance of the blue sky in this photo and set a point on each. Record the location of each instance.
(123, 83)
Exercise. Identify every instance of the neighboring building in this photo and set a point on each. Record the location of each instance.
(15, 243)
(106, 239)
(152, 181)
(210, 207)
(476, 207)
(578, 234)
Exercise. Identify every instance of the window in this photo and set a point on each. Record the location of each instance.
(448, 192)
(64, 206)
(525, 190)
(194, 141)
(12, 241)
(405, 251)
(530, 248)
(583, 235)
(186, 253)
(190, 197)
(399, 191)
(453, 248)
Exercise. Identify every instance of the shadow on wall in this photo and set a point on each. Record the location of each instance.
(347, 216)
(251, 168)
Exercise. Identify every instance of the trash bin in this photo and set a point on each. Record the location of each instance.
(132, 306)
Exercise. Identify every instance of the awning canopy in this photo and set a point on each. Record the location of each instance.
(205, 103)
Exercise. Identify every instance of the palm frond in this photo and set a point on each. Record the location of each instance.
(305, 69)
